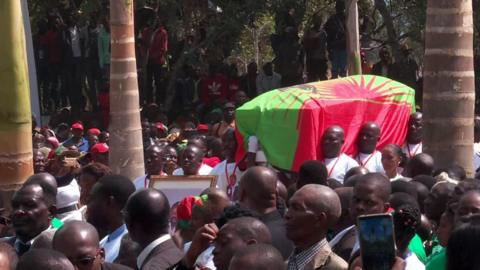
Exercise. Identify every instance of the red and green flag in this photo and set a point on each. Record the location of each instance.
(289, 122)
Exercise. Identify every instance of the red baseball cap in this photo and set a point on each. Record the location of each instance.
(77, 126)
(94, 131)
(202, 127)
(160, 126)
(99, 148)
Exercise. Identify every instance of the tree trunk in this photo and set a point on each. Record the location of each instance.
(126, 144)
(391, 33)
(449, 88)
(16, 162)
(353, 39)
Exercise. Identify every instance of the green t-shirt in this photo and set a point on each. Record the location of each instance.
(416, 246)
(438, 262)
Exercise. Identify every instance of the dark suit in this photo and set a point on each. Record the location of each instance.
(276, 225)
(163, 256)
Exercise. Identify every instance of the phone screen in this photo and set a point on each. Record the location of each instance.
(377, 242)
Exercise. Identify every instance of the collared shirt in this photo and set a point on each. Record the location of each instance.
(298, 260)
(111, 243)
(148, 249)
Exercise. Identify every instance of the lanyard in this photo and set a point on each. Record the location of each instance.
(333, 167)
(415, 150)
(363, 164)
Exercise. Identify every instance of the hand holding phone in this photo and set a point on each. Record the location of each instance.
(377, 241)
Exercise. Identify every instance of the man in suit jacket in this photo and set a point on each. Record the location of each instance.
(312, 210)
(33, 207)
(79, 241)
(147, 217)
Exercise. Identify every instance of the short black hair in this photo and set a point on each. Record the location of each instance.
(49, 196)
(232, 212)
(97, 170)
(398, 199)
(44, 259)
(381, 182)
(151, 213)
(117, 186)
(404, 186)
(312, 172)
(462, 247)
(427, 180)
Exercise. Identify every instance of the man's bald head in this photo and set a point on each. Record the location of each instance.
(257, 257)
(73, 233)
(147, 210)
(368, 137)
(321, 199)
(249, 228)
(217, 201)
(258, 189)
(420, 164)
(46, 181)
(79, 239)
(332, 141)
(380, 183)
(44, 259)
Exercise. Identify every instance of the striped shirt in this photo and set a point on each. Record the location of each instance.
(299, 259)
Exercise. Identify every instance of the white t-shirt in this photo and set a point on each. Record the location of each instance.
(222, 178)
(372, 162)
(204, 170)
(338, 167)
(412, 150)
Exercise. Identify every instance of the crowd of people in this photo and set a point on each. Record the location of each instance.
(75, 213)
(73, 59)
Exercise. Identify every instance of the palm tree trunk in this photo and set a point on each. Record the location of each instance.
(126, 151)
(16, 162)
(353, 39)
(449, 94)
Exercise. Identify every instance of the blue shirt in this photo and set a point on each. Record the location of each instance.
(111, 243)
(82, 147)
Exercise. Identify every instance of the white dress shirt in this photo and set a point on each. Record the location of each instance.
(148, 249)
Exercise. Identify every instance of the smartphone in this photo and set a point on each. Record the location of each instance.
(377, 241)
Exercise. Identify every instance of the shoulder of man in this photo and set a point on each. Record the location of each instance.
(163, 256)
(326, 259)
